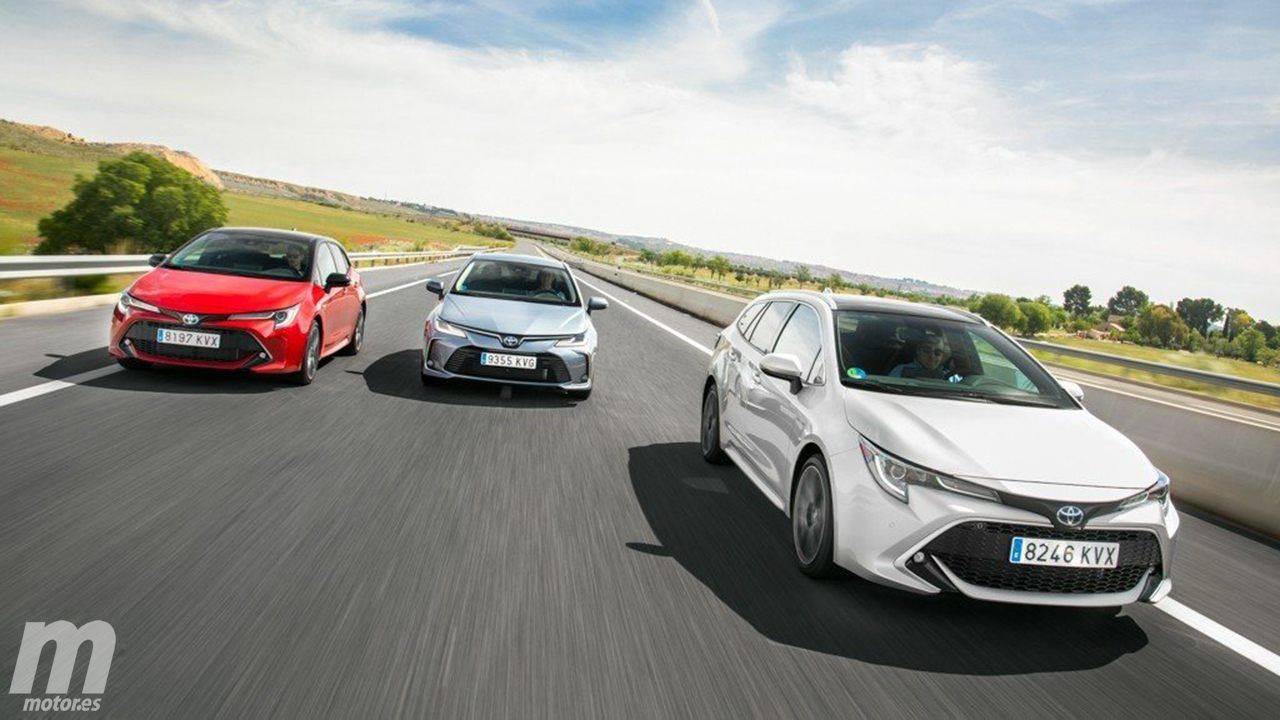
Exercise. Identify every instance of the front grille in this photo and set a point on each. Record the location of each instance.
(466, 361)
(978, 553)
(235, 346)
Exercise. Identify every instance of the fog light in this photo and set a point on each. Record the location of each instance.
(918, 557)
(431, 363)
(262, 356)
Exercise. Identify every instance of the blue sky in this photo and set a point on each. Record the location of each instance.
(1019, 146)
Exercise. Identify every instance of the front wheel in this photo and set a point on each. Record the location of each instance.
(712, 452)
(310, 357)
(812, 529)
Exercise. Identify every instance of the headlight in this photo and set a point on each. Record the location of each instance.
(443, 327)
(128, 302)
(282, 317)
(577, 341)
(894, 475)
(1158, 492)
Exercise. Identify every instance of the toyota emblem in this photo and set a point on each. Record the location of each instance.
(1070, 515)
(510, 341)
(190, 319)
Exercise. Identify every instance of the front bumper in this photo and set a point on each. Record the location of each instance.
(448, 357)
(247, 345)
(945, 542)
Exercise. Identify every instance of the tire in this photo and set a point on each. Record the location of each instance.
(133, 364)
(357, 336)
(812, 529)
(709, 437)
(310, 357)
(579, 394)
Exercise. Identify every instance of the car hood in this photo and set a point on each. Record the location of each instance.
(214, 293)
(986, 441)
(513, 316)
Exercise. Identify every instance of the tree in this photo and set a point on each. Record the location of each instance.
(1237, 321)
(999, 310)
(676, 257)
(138, 202)
(835, 281)
(1128, 301)
(802, 274)
(1159, 325)
(718, 266)
(1199, 313)
(1248, 344)
(1268, 331)
(1076, 300)
(648, 256)
(776, 279)
(1036, 316)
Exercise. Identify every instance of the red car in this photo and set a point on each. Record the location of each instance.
(262, 301)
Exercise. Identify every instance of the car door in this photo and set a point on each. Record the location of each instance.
(348, 298)
(740, 413)
(328, 307)
(778, 417)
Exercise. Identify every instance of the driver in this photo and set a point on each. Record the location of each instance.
(931, 353)
(547, 284)
(294, 255)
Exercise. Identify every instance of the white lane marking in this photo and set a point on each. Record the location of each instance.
(1211, 629)
(655, 321)
(1230, 638)
(406, 285)
(1213, 414)
(36, 391)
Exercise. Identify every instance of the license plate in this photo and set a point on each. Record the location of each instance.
(1063, 553)
(522, 362)
(188, 337)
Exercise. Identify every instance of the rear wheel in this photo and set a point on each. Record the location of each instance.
(310, 357)
(133, 364)
(357, 336)
(712, 452)
(812, 530)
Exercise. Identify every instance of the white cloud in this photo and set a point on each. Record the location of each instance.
(896, 160)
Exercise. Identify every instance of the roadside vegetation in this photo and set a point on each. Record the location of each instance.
(1196, 333)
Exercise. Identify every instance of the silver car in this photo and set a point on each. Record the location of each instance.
(514, 320)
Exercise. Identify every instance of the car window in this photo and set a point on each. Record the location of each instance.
(941, 358)
(339, 258)
(249, 254)
(516, 280)
(766, 330)
(748, 315)
(802, 336)
(324, 265)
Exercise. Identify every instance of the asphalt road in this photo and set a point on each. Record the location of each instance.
(367, 547)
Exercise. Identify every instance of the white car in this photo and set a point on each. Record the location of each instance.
(920, 447)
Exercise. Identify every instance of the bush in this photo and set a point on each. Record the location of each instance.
(139, 202)
(999, 310)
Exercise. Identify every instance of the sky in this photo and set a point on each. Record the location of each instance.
(1018, 146)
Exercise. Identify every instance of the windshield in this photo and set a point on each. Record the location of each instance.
(515, 280)
(245, 254)
(931, 357)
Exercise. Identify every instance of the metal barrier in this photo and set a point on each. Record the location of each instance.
(21, 267)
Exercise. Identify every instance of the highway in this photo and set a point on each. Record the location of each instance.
(368, 547)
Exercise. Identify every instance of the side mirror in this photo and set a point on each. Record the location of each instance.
(1073, 389)
(155, 260)
(783, 367)
(436, 288)
(597, 303)
(336, 280)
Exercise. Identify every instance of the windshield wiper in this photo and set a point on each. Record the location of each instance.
(875, 385)
(986, 397)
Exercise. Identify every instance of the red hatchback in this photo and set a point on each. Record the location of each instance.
(263, 301)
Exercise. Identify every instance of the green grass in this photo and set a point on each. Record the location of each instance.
(32, 186)
(357, 230)
(1178, 358)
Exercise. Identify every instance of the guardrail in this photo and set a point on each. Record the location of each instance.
(1204, 376)
(21, 267)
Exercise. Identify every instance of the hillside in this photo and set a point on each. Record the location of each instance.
(38, 166)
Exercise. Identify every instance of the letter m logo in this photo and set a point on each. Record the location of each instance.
(67, 639)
